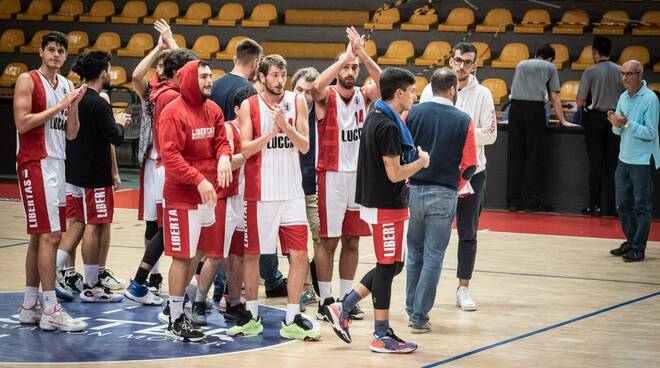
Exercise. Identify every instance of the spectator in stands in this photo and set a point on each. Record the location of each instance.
(636, 121)
(532, 81)
(600, 88)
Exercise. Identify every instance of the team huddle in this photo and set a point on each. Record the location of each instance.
(228, 168)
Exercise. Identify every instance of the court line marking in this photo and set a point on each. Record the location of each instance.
(13, 245)
(540, 330)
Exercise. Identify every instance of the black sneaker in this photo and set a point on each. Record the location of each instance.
(198, 313)
(593, 211)
(234, 313)
(539, 207)
(621, 250)
(183, 330)
(164, 316)
(356, 313)
(634, 255)
(154, 283)
(74, 283)
(279, 291)
(323, 314)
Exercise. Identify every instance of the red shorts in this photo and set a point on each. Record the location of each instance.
(185, 229)
(267, 219)
(215, 245)
(237, 247)
(90, 205)
(388, 228)
(338, 213)
(43, 194)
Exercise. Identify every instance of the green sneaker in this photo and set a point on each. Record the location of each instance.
(246, 326)
(299, 329)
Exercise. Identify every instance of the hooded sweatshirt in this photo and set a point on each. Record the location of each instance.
(192, 137)
(161, 95)
(476, 101)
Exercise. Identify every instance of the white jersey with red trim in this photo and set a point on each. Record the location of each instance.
(274, 173)
(340, 130)
(48, 139)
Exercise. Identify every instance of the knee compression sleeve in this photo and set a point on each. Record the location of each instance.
(381, 290)
(155, 249)
(151, 229)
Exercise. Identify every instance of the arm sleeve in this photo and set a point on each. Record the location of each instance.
(553, 84)
(468, 159)
(222, 145)
(647, 128)
(112, 131)
(173, 138)
(486, 132)
(585, 86)
(389, 141)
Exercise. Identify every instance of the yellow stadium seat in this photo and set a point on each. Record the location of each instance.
(420, 83)
(68, 11)
(99, 13)
(436, 53)
(106, 41)
(73, 77)
(228, 16)
(572, 22)
(656, 68)
(483, 53)
(458, 20)
(8, 8)
(131, 13)
(217, 73)
(263, 15)
(370, 48)
(11, 39)
(399, 52)
(639, 53)
(180, 40)
(569, 90)
(650, 24)
(138, 45)
(11, 73)
(421, 20)
(654, 86)
(304, 50)
(497, 20)
(384, 20)
(36, 10)
(205, 46)
(613, 23)
(230, 50)
(117, 76)
(78, 40)
(561, 55)
(35, 43)
(196, 14)
(497, 88)
(166, 10)
(585, 60)
(511, 55)
(326, 17)
(534, 21)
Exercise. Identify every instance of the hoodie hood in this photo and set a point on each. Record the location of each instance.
(188, 77)
(472, 83)
(162, 87)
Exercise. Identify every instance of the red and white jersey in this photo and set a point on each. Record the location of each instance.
(340, 130)
(48, 139)
(274, 173)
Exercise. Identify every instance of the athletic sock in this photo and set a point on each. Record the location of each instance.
(69, 271)
(91, 275)
(30, 297)
(50, 301)
(291, 311)
(141, 276)
(61, 259)
(350, 300)
(325, 289)
(156, 268)
(345, 287)
(381, 327)
(101, 269)
(176, 307)
(252, 306)
(234, 301)
(201, 295)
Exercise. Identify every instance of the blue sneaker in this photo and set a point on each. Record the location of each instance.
(141, 294)
(339, 320)
(391, 343)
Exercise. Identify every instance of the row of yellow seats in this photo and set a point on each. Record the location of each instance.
(612, 22)
(263, 15)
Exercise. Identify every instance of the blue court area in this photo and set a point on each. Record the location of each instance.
(123, 331)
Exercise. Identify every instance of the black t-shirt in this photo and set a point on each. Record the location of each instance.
(224, 90)
(380, 137)
(88, 161)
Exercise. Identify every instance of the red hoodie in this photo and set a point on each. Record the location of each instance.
(192, 136)
(161, 95)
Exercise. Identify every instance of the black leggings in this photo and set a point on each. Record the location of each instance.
(155, 249)
(151, 229)
(379, 283)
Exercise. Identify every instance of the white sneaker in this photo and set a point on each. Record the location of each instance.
(61, 320)
(464, 300)
(61, 290)
(99, 294)
(108, 280)
(30, 316)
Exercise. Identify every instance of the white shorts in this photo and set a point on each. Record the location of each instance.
(338, 213)
(235, 217)
(43, 193)
(152, 179)
(229, 219)
(265, 220)
(185, 229)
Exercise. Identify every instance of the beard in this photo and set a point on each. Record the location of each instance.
(345, 84)
(107, 85)
(273, 90)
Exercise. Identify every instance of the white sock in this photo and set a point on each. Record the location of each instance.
(252, 306)
(345, 287)
(91, 275)
(291, 311)
(61, 259)
(201, 295)
(156, 268)
(325, 289)
(31, 296)
(50, 301)
(69, 271)
(176, 307)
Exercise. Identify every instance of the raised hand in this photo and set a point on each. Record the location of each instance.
(356, 41)
(165, 32)
(72, 97)
(280, 118)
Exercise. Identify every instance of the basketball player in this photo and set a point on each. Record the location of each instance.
(196, 154)
(273, 134)
(382, 192)
(45, 113)
(341, 110)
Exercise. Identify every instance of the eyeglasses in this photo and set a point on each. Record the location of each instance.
(468, 63)
(628, 74)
